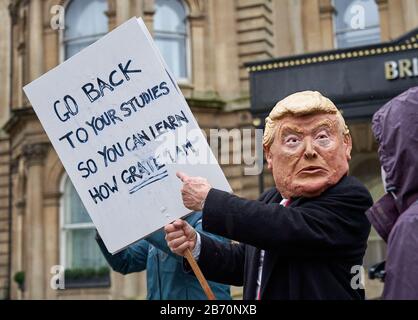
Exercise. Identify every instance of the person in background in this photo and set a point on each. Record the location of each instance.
(395, 215)
(166, 279)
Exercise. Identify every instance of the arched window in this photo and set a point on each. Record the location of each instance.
(356, 23)
(85, 22)
(171, 35)
(79, 249)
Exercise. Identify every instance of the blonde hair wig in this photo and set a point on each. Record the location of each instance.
(300, 104)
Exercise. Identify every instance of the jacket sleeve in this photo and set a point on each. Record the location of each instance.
(401, 281)
(198, 227)
(221, 261)
(131, 259)
(333, 223)
(157, 239)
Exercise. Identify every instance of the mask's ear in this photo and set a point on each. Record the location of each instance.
(269, 158)
(348, 143)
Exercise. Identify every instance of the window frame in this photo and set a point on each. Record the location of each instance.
(189, 72)
(347, 30)
(64, 227)
(61, 34)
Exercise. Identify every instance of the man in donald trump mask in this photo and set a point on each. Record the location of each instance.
(301, 239)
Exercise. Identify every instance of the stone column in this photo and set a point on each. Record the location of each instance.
(148, 14)
(197, 53)
(282, 29)
(410, 9)
(17, 232)
(384, 20)
(35, 271)
(296, 26)
(111, 14)
(5, 52)
(122, 11)
(51, 234)
(224, 77)
(326, 13)
(311, 26)
(137, 8)
(35, 40)
(396, 19)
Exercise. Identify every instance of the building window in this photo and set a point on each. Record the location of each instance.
(356, 23)
(171, 36)
(79, 249)
(85, 22)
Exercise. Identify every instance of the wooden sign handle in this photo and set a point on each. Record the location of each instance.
(199, 275)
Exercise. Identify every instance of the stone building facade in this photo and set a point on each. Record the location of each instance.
(219, 37)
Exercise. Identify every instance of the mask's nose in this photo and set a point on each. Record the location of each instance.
(310, 152)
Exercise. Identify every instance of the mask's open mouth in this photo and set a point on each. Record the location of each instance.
(311, 170)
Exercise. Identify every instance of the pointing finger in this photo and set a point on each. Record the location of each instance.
(182, 176)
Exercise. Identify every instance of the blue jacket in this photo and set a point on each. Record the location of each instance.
(166, 279)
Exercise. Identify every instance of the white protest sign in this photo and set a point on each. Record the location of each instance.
(122, 128)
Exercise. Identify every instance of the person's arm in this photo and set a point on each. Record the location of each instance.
(332, 224)
(131, 259)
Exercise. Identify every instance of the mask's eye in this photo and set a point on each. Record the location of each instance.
(322, 138)
(291, 140)
(322, 135)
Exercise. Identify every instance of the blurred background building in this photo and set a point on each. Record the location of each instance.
(214, 48)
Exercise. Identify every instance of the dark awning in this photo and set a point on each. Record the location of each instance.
(358, 80)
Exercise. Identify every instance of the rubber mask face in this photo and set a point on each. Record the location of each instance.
(308, 155)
